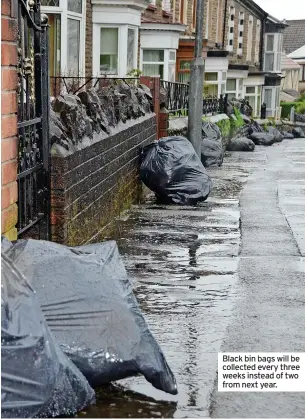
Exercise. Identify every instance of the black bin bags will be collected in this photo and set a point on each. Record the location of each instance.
(37, 379)
(211, 145)
(89, 305)
(173, 171)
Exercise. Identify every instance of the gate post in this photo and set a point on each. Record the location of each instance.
(9, 142)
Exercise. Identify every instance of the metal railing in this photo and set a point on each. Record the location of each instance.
(72, 84)
(177, 96)
(212, 105)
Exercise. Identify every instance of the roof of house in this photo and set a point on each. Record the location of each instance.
(294, 35)
(287, 63)
(298, 54)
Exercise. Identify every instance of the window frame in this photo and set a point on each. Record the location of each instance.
(62, 10)
(135, 48)
(118, 53)
(163, 63)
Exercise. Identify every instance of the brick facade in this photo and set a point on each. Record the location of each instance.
(233, 58)
(9, 144)
(88, 45)
(94, 185)
(154, 13)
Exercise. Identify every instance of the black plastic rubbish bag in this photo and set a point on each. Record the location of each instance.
(211, 131)
(262, 138)
(38, 380)
(255, 127)
(241, 144)
(278, 137)
(211, 145)
(246, 119)
(172, 170)
(211, 152)
(287, 135)
(88, 302)
(298, 132)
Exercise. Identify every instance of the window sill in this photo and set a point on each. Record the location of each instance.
(152, 7)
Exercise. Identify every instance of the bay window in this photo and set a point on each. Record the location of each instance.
(109, 50)
(131, 38)
(153, 63)
(231, 88)
(73, 67)
(273, 52)
(66, 36)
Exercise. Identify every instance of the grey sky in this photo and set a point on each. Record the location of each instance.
(284, 9)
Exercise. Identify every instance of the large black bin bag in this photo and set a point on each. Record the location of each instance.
(87, 300)
(37, 379)
(172, 170)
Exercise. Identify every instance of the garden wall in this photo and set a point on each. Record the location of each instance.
(95, 184)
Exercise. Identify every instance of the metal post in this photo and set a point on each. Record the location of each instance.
(196, 84)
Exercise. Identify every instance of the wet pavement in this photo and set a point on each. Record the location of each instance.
(227, 275)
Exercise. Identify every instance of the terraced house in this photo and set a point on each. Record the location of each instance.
(242, 45)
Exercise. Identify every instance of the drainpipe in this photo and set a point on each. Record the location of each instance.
(224, 24)
(262, 44)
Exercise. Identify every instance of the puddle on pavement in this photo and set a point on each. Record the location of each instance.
(183, 262)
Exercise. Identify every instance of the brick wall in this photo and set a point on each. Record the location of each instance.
(156, 14)
(9, 146)
(233, 58)
(88, 46)
(94, 185)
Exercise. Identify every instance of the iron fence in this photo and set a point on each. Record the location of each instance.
(33, 116)
(72, 84)
(176, 97)
(176, 100)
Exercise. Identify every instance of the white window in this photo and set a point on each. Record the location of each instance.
(250, 38)
(211, 84)
(268, 98)
(240, 33)
(231, 88)
(153, 63)
(253, 96)
(273, 52)
(172, 66)
(231, 25)
(131, 52)
(257, 40)
(109, 38)
(66, 36)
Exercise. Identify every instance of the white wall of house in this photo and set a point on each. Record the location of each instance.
(159, 44)
(115, 36)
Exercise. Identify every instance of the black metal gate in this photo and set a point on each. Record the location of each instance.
(33, 117)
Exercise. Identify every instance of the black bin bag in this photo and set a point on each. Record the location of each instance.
(88, 302)
(211, 145)
(37, 378)
(172, 170)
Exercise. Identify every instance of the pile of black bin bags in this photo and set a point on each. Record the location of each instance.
(171, 168)
(70, 321)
